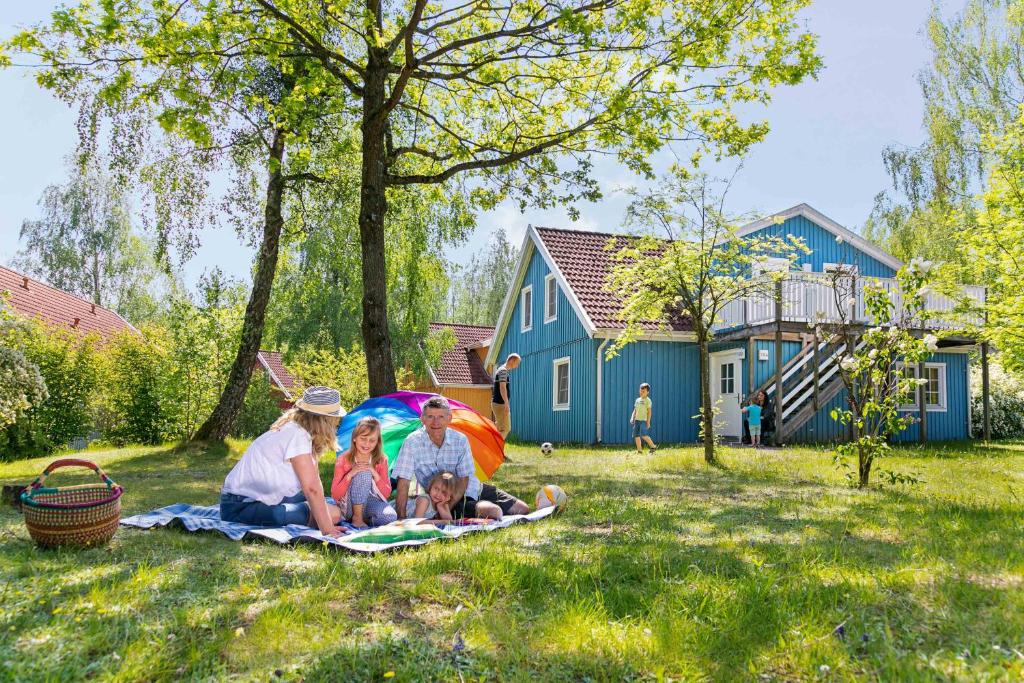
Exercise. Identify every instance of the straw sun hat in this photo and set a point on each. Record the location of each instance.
(321, 401)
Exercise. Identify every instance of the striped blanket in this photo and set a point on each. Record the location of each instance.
(397, 535)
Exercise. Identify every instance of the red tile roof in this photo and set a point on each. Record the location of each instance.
(585, 262)
(279, 374)
(462, 365)
(34, 299)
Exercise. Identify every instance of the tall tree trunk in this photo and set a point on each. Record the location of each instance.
(96, 297)
(372, 210)
(219, 424)
(706, 409)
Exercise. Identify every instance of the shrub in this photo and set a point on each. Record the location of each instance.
(259, 410)
(68, 366)
(344, 370)
(21, 384)
(1006, 402)
(134, 388)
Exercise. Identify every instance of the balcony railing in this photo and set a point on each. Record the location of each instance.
(809, 297)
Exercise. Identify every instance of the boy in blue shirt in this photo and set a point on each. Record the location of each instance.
(753, 412)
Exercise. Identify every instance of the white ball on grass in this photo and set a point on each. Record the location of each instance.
(549, 495)
(546, 448)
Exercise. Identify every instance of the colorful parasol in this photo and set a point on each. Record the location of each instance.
(399, 416)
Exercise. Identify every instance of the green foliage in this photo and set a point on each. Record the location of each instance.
(21, 384)
(84, 244)
(1006, 401)
(478, 289)
(69, 367)
(134, 387)
(342, 369)
(871, 367)
(260, 408)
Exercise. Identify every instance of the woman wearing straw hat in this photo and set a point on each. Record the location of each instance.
(277, 481)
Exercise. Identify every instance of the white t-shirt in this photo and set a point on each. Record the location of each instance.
(265, 472)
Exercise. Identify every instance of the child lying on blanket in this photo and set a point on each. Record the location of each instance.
(434, 506)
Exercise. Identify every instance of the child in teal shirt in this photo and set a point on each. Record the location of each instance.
(753, 412)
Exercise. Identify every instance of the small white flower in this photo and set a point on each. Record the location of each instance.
(924, 291)
(872, 354)
(848, 363)
(931, 341)
(851, 302)
(875, 330)
(921, 382)
(839, 239)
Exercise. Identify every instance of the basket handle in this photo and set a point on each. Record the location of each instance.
(71, 462)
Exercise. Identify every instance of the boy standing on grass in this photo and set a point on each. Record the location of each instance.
(641, 419)
(753, 412)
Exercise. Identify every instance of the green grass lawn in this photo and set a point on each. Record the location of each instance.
(660, 568)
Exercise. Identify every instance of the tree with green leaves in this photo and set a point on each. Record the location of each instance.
(954, 196)
(690, 277)
(84, 243)
(492, 100)
(478, 289)
(21, 385)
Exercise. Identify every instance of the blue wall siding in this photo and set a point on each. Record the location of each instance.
(765, 369)
(565, 328)
(942, 426)
(533, 418)
(951, 424)
(824, 248)
(673, 371)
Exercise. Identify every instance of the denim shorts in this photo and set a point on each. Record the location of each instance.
(640, 428)
(291, 510)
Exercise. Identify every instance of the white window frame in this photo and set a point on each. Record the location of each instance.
(943, 404)
(525, 310)
(557, 363)
(549, 285)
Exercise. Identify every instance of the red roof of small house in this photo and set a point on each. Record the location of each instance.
(462, 365)
(278, 373)
(34, 299)
(585, 262)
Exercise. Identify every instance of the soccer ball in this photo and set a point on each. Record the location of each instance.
(549, 495)
(546, 448)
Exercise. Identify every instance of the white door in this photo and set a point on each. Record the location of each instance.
(726, 389)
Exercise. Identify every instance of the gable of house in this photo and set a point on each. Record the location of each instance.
(280, 376)
(829, 242)
(31, 298)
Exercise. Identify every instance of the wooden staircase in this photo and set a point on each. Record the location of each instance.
(810, 380)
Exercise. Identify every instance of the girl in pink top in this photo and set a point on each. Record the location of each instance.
(361, 486)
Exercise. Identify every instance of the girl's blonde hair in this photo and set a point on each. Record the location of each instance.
(322, 429)
(445, 479)
(366, 425)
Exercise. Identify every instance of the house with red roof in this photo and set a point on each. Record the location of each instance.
(31, 298)
(561, 319)
(461, 374)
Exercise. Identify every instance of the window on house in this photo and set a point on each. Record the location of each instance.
(934, 390)
(560, 384)
(526, 309)
(728, 378)
(550, 299)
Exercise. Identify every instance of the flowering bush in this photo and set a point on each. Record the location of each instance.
(872, 367)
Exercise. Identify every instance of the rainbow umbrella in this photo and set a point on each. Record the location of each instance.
(399, 416)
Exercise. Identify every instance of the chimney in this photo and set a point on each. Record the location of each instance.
(94, 309)
(24, 282)
(75, 324)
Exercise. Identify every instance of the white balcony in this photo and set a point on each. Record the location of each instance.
(808, 297)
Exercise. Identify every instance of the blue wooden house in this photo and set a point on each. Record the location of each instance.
(560, 319)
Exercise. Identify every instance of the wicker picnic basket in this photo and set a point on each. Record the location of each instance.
(84, 515)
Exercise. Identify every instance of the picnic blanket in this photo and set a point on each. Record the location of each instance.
(396, 535)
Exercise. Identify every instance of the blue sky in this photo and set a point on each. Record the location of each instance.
(824, 147)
